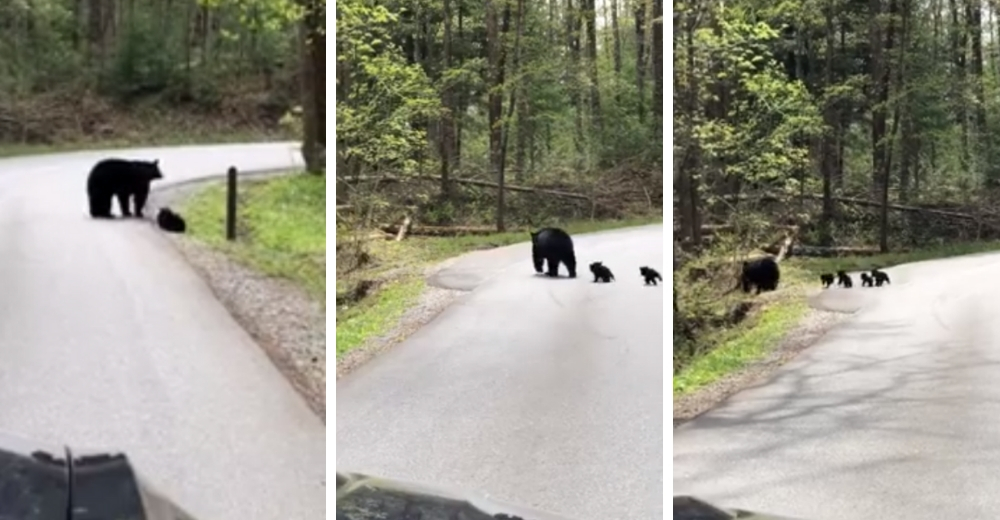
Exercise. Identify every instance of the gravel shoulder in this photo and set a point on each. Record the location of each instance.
(288, 324)
(815, 324)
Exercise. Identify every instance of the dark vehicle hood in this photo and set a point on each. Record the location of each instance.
(690, 508)
(53, 482)
(364, 497)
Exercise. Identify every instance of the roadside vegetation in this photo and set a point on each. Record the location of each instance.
(281, 227)
(461, 127)
(80, 74)
(823, 131)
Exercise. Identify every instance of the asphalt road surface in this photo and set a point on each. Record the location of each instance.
(894, 414)
(108, 339)
(547, 393)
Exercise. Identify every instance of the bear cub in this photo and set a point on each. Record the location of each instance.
(649, 275)
(170, 221)
(601, 272)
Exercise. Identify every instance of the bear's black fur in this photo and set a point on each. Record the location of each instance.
(866, 280)
(601, 272)
(122, 179)
(170, 221)
(762, 273)
(827, 279)
(844, 279)
(649, 275)
(880, 277)
(553, 245)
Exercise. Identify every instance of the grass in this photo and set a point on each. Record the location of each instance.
(732, 349)
(402, 263)
(281, 227)
(166, 139)
(375, 315)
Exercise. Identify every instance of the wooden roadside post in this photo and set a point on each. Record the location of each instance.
(231, 204)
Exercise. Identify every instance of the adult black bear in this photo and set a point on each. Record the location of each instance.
(866, 280)
(553, 245)
(122, 179)
(880, 277)
(844, 279)
(601, 272)
(762, 273)
(649, 275)
(170, 221)
(827, 279)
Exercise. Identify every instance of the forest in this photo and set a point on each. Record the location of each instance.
(499, 114)
(85, 72)
(827, 128)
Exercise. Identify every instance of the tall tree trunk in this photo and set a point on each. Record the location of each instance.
(827, 159)
(447, 133)
(658, 68)
(496, 67)
(880, 78)
(640, 56)
(590, 15)
(959, 41)
(617, 52)
(982, 141)
(313, 85)
(573, 42)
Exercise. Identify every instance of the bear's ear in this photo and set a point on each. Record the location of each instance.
(156, 162)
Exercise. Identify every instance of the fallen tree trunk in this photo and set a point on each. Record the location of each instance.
(470, 182)
(859, 202)
(441, 231)
(826, 252)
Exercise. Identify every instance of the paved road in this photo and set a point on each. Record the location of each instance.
(108, 339)
(545, 393)
(895, 414)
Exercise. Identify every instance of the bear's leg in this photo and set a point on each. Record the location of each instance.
(100, 205)
(141, 194)
(553, 267)
(538, 260)
(122, 197)
(570, 262)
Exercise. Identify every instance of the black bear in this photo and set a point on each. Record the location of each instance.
(649, 275)
(762, 273)
(553, 245)
(826, 279)
(866, 280)
(122, 179)
(170, 221)
(601, 272)
(880, 277)
(844, 279)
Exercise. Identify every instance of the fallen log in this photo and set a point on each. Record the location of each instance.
(470, 182)
(827, 252)
(441, 231)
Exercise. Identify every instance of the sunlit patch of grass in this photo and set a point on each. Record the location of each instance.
(281, 224)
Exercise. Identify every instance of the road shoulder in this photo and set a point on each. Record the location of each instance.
(284, 320)
(806, 333)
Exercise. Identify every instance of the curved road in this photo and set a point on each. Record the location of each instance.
(109, 340)
(894, 414)
(540, 392)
